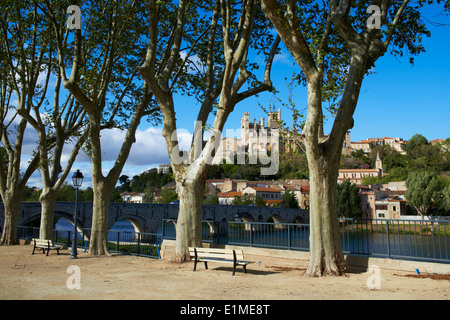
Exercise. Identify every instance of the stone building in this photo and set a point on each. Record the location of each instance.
(357, 175)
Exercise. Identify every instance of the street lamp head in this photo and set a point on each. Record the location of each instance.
(77, 179)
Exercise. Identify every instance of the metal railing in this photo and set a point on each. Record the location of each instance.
(395, 239)
(135, 243)
(402, 239)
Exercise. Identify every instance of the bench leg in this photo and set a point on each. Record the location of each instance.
(34, 247)
(206, 265)
(234, 268)
(48, 250)
(195, 264)
(245, 268)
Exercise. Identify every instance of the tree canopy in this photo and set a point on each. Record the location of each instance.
(425, 191)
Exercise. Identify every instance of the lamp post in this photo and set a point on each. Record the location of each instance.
(77, 180)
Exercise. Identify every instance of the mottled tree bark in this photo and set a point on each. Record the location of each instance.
(190, 175)
(188, 228)
(323, 152)
(12, 209)
(48, 200)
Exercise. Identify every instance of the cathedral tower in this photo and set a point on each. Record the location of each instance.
(379, 166)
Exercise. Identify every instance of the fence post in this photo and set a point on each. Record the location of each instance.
(289, 236)
(139, 244)
(251, 234)
(388, 242)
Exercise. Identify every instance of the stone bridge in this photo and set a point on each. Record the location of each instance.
(148, 217)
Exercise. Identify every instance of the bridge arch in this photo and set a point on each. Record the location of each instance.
(69, 218)
(138, 226)
(32, 220)
(299, 219)
(245, 217)
(36, 218)
(275, 218)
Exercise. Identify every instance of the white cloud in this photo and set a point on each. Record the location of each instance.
(147, 152)
(283, 58)
(193, 63)
(149, 148)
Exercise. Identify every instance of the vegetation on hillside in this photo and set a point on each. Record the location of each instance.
(421, 158)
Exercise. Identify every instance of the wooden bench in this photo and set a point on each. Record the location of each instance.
(45, 245)
(230, 256)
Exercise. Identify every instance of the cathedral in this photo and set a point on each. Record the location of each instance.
(256, 135)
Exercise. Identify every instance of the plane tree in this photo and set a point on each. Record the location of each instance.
(219, 36)
(58, 127)
(336, 44)
(55, 123)
(22, 88)
(101, 56)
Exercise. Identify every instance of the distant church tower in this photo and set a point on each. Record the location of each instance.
(273, 119)
(379, 166)
(245, 127)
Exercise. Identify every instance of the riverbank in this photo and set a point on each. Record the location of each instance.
(30, 277)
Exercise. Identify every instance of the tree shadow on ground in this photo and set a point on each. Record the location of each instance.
(240, 270)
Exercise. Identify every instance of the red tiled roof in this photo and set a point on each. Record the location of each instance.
(230, 194)
(262, 189)
(305, 189)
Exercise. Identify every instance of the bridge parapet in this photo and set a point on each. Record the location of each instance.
(147, 217)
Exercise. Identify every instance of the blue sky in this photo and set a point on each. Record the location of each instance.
(398, 100)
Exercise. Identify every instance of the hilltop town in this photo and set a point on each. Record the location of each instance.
(381, 187)
(376, 168)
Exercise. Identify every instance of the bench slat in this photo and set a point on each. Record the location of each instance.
(213, 250)
(235, 257)
(217, 253)
(241, 262)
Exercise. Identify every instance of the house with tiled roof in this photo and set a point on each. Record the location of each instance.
(357, 175)
(228, 197)
(132, 197)
(271, 196)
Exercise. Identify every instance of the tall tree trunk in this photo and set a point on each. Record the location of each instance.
(48, 201)
(98, 244)
(323, 154)
(12, 209)
(188, 230)
(326, 257)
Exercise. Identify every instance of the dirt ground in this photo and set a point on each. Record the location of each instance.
(120, 277)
